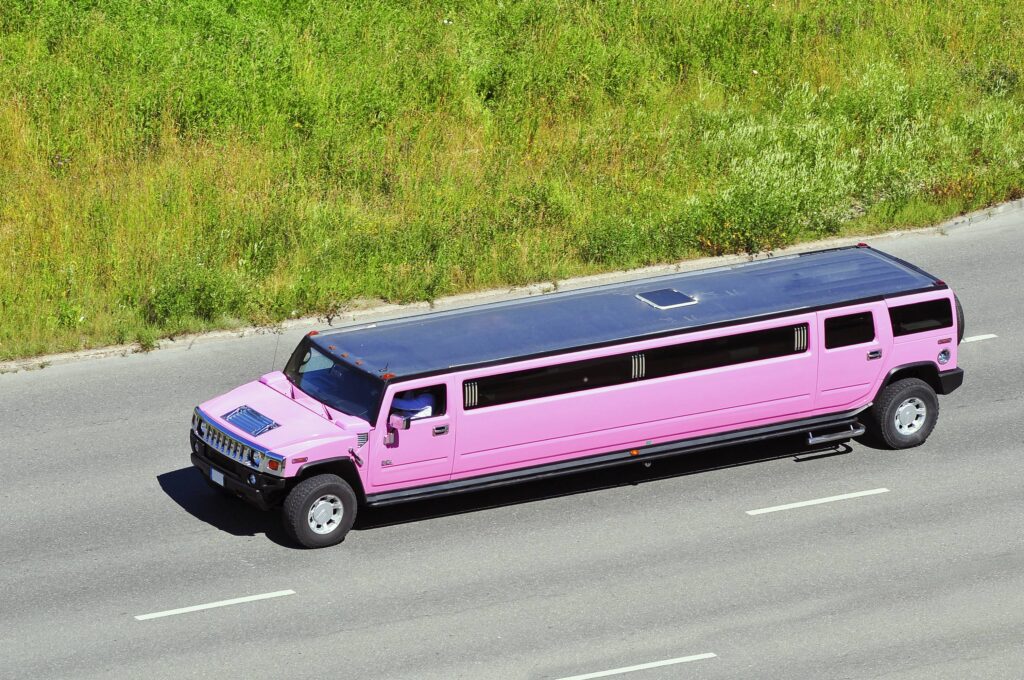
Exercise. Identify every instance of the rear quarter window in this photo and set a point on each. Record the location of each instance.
(921, 316)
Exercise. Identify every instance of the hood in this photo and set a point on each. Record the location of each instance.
(302, 422)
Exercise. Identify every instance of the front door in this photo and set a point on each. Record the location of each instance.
(854, 341)
(423, 453)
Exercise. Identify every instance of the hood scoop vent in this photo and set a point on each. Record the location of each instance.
(250, 421)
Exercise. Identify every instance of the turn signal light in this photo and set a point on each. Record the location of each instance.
(634, 452)
(273, 464)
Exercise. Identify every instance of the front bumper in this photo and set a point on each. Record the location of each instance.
(950, 380)
(267, 492)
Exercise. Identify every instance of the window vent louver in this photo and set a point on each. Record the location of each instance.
(469, 394)
(639, 366)
(800, 338)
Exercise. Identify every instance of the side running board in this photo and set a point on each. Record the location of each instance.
(849, 432)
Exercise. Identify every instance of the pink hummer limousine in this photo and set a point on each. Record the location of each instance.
(813, 344)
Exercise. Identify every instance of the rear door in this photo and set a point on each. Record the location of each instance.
(854, 340)
(423, 453)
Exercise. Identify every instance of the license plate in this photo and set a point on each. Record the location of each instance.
(217, 476)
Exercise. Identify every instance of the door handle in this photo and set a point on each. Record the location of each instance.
(440, 430)
(874, 354)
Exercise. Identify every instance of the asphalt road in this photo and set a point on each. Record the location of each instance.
(103, 520)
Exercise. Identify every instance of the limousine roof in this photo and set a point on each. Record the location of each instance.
(590, 317)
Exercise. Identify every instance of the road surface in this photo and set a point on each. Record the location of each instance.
(918, 573)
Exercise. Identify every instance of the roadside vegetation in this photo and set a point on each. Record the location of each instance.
(175, 166)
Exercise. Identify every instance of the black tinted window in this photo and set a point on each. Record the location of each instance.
(726, 351)
(552, 380)
(921, 317)
(654, 363)
(852, 329)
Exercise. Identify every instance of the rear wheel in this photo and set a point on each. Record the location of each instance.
(319, 511)
(904, 414)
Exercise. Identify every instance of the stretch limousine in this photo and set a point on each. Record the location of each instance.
(831, 344)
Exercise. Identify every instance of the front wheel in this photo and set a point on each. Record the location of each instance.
(319, 511)
(904, 414)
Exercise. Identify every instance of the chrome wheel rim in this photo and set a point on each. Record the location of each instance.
(910, 416)
(325, 514)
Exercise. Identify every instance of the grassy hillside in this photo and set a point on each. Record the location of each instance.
(176, 165)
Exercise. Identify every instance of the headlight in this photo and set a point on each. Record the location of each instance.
(256, 457)
(200, 428)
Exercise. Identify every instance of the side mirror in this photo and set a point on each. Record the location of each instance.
(397, 422)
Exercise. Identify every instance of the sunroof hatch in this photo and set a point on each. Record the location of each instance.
(666, 298)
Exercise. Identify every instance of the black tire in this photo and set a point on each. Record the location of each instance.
(909, 392)
(959, 320)
(298, 506)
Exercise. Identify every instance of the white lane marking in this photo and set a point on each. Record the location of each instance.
(817, 501)
(976, 338)
(640, 667)
(214, 605)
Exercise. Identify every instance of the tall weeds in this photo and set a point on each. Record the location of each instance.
(173, 166)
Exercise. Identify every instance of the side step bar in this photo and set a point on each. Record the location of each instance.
(852, 430)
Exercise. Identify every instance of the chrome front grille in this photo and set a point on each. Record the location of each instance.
(224, 444)
(244, 453)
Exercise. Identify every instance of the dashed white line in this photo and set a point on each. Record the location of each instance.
(214, 605)
(817, 501)
(976, 338)
(640, 667)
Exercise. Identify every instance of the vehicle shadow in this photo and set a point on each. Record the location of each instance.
(188, 489)
(606, 478)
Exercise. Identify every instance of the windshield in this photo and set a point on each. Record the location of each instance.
(334, 383)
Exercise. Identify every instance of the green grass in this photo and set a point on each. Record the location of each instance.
(174, 166)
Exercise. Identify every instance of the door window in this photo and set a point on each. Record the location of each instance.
(851, 329)
(420, 402)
